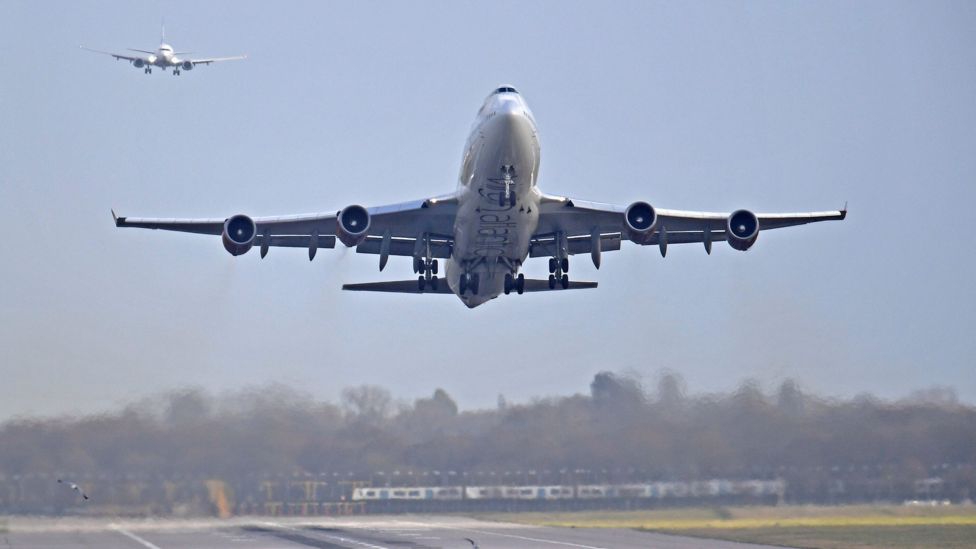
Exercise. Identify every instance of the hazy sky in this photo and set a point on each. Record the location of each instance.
(779, 106)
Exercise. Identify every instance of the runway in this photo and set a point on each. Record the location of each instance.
(369, 532)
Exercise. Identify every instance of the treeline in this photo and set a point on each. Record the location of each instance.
(619, 430)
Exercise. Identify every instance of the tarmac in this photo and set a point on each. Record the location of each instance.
(357, 532)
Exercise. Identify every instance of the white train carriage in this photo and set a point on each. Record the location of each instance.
(631, 491)
(416, 493)
(593, 491)
(557, 492)
(445, 493)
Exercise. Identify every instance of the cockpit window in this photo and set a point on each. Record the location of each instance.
(506, 90)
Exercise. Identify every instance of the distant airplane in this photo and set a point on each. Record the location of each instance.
(164, 57)
(495, 220)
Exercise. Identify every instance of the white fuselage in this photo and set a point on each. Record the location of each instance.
(490, 239)
(164, 57)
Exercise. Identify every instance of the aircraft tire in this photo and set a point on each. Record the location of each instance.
(520, 284)
(565, 282)
(552, 265)
(565, 264)
(433, 283)
(421, 283)
(433, 266)
(552, 282)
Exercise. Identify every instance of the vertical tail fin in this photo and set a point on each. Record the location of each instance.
(162, 30)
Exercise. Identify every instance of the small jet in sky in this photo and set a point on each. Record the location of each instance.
(164, 57)
(496, 220)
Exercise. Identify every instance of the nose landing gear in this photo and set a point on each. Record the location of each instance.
(508, 178)
(469, 281)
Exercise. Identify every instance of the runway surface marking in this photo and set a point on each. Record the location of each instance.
(514, 536)
(340, 539)
(145, 543)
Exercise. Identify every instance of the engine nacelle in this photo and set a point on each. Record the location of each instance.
(640, 219)
(352, 225)
(186, 65)
(239, 233)
(742, 229)
(138, 63)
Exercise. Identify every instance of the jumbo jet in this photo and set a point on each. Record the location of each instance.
(495, 220)
(164, 57)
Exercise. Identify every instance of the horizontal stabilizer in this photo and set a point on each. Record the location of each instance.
(540, 285)
(413, 287)
(399, 287)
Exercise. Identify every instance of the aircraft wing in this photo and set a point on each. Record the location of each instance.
(216, 59)
(117, 56)
(406, 222)
(580, 220)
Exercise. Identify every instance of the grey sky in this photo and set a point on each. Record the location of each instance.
(771, 106)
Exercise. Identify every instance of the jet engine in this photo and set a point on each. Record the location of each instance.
(742, 229)
(352, 225)
(138, 63)
(186, 65)
(239, 233)
(640, 219)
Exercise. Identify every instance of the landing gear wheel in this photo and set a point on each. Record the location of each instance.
(552, 282)
(433, 283)
(463, 284)
(475, 282)
(520, 284)
(565, 282)
(565, 264)
(511, 200)
(501, 200)
(421, 283)
(509, 283)
(433, 266)
(552, 265)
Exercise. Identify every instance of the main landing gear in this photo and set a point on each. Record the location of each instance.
(428, 273)
(176, 72)
(147, 70)
(557, 272)
(516, 283)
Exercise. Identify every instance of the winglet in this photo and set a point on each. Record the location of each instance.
(119, 221)
(843, 213)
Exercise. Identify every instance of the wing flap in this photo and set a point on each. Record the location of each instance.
(546, 246)
(217, 59)
(295, 241)
(117, 56)
(405, 247)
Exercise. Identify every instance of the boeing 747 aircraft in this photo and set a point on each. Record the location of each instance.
(164, 57)
(495, 220)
